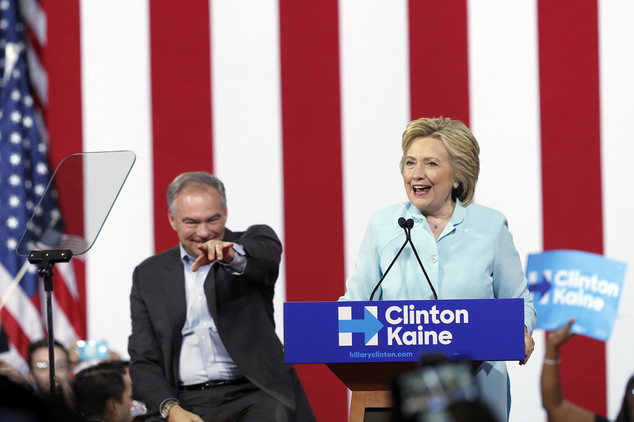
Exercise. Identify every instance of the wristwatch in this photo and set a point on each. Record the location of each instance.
(166, 408)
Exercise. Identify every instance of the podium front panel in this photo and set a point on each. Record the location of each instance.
(401, 331)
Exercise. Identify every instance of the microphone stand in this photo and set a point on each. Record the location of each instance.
(388, 268)
(407, 226)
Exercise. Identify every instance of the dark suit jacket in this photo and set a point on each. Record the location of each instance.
(242, 308)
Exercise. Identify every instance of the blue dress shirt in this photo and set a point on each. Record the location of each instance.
(203, 356)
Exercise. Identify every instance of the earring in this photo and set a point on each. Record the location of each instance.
(455, 185)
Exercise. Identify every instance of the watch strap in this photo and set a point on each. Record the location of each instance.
(165, 412)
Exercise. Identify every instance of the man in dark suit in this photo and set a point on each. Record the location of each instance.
(203, 343)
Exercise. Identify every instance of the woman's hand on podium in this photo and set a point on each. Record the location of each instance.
(529, 346)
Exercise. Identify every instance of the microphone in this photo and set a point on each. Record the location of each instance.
(403, 224)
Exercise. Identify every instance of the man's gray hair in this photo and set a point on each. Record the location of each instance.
(196, 177)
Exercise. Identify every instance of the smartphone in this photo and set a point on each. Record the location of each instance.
(91, 349)
(428, 393)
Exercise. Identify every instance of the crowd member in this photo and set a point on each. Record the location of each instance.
(467, 249)
(9, 364)
(39, 371)
(103, 395)
(18, 402)
(12, 373)
(139, 410)
(22, 400)
(203, 342)
(558, 408)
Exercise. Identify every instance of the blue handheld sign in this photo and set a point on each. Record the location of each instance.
(583, 285)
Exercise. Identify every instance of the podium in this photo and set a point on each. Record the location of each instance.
(370, 384)
(367, 344)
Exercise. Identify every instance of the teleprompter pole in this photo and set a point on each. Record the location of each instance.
(46, 261)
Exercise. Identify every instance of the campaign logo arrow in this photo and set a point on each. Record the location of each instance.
(541, 287)
(369, 325)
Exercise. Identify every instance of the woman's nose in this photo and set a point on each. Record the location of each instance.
(418, 173)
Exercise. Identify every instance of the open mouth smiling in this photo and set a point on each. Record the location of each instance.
(421, 190)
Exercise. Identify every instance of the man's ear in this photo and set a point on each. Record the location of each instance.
(112, 406)
(172, 219)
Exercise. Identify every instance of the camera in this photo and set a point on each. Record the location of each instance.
(438, 391)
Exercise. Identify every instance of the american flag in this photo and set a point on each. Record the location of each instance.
(298, 106)
(24, 178)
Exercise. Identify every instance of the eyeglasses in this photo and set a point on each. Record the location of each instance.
(44, 365)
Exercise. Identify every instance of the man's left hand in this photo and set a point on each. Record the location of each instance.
(214, 250)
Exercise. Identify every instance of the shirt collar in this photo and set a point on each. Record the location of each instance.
(456, 218)
(458, 213)
(185, 256)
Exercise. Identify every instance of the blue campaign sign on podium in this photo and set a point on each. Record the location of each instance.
(583, 285)
(400, 331)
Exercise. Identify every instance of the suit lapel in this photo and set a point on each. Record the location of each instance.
(214, 277)
(210, 291)
(172, 280)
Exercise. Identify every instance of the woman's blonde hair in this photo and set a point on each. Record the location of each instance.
(461, 146)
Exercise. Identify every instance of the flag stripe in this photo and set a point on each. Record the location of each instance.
(181, 112)
(310, 87)
(504, 110)
(36, 18)
(570, 117)
(375, 110)
(37, 76)
(64, 126)
(616, 53)
(24, 313)
(247, 113)
(312, 156)
(64, 282)
(439, 73)
(14, 327)
(117, 116)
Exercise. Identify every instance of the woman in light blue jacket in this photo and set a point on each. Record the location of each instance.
(466, 249)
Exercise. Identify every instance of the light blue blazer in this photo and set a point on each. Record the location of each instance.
(474, 258)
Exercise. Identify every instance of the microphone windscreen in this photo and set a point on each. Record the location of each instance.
(410, 223)
(401, 222)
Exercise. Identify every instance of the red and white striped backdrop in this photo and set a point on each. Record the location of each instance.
(299, 106)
